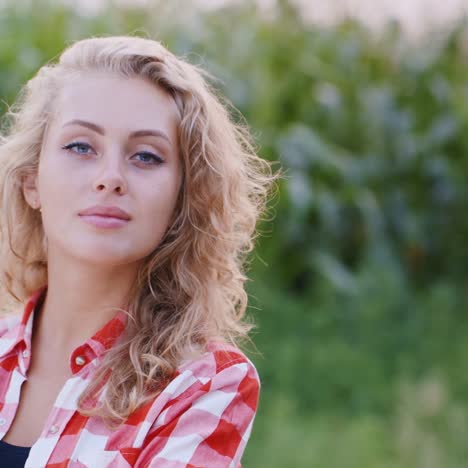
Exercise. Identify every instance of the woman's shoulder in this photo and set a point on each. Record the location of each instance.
(216, 358)
(204, 416)
(219, 368)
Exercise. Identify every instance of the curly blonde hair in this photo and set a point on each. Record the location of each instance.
(190, 290)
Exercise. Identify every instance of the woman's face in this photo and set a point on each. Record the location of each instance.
(112, 144)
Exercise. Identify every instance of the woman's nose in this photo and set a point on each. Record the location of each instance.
(111, 177)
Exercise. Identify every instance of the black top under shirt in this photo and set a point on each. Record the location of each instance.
(13, 456)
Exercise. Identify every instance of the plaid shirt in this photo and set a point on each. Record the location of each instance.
(202, 418)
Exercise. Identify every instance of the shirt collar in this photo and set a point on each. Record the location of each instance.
(91, 349)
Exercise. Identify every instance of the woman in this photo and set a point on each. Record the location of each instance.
(128, 203)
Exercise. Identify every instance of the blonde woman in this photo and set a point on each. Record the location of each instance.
(128, 202)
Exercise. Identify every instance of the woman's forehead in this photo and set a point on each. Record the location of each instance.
(114, 102)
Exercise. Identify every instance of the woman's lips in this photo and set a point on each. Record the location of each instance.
(100, 221)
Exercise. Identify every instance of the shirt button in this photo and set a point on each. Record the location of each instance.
(53, 429)
(2, 421)
(25, 353)
(80, 360)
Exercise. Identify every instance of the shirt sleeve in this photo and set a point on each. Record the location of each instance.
(208, 426)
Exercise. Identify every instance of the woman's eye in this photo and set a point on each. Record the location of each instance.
(77, 147)
(145, 157)
(149, 158)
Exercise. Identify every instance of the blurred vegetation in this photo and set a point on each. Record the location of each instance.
(359, 282)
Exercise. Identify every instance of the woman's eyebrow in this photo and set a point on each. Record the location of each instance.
(101, 131)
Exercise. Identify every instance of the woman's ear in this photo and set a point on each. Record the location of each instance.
(30, 192)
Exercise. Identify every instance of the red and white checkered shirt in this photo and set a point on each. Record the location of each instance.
(202, 418)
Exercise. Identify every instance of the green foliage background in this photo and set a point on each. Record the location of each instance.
(359, 281)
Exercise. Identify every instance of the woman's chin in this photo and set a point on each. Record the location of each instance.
(104, 255)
